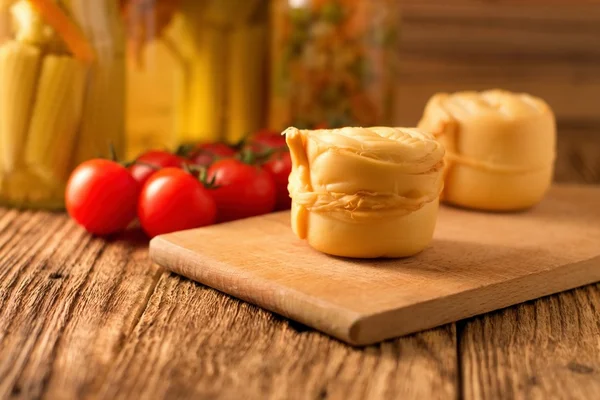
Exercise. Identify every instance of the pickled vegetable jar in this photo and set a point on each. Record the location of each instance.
(333, 62)
(196, 71)
(61, 93)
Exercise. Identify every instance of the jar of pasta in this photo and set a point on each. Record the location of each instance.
(196, 71)
(61, 94)
(333, 62)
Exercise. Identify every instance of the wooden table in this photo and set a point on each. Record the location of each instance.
(81, 317)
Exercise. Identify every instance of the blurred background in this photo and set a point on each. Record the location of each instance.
(79, 76)
(548, 48)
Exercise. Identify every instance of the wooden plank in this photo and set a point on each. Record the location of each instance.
(540, 350)
(68, 304)
(511, 28)
(536, 3)
(553, 11)
(67, 301)
(473, 68)
(544, 48)
(546, 348)
(571, 89)
(578, 156)
(193, 342)
(477, 262)
(571, 102)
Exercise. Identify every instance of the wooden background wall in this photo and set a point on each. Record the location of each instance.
(549, 48)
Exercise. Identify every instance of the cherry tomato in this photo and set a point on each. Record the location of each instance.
(242, 191)
(152, 161)
(101, 195)
(267, 139)
(220, 149)
(207, 153)
(280, 167)
(173, 200)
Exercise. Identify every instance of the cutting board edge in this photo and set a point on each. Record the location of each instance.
(333, 319)
(361, 332)
(357, 334)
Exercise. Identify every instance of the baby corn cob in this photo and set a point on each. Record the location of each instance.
(245, 88)
(70, 32)
(29, 26)
(19, 69)
(56, 118)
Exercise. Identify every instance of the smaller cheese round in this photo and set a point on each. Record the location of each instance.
(500, 147)
(365, 192)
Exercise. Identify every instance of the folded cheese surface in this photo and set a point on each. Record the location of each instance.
(359, 176)
(500, 147)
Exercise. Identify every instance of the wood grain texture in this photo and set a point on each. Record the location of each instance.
(66, 303)
(82, 318)
(547, 349)
(578, 155)
(546, 48)
(193, 342)
(543, 349)
(477, 262)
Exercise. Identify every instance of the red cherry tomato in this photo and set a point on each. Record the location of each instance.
(267, 139)
(173, 200)
(279, 166)
(220, 149)
(242, 191)
(101, 195)
(207, 153)
(152, 161)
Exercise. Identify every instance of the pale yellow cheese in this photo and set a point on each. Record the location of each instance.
(365, 192)
(500, 147)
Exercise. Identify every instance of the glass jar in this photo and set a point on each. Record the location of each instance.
(61, 94)
(196, 71)
(333, 62)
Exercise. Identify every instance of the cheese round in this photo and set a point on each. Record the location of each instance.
(500, 147)
(365, 192)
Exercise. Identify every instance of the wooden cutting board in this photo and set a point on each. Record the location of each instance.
(477, 262)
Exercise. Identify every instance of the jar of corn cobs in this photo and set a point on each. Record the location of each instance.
(61, 93)
(333, 62)
(197, 71)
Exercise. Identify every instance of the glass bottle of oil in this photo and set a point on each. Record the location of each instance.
(197, 71)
